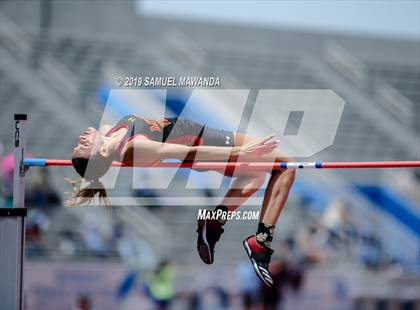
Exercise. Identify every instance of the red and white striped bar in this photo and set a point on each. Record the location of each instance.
(28, 162)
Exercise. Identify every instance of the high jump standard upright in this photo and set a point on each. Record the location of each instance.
(12, 228)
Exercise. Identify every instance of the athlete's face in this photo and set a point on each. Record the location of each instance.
(90, 141)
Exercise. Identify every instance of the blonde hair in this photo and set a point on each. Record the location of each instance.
(98, 166)
(84, 196)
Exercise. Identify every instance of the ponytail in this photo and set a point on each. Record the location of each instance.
(90, 169)
(84, 196)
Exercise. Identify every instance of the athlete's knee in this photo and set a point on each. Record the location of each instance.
(283, 159)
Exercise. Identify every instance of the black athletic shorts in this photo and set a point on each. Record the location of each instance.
(188, 132)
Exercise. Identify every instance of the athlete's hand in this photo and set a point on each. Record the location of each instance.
(259, 147)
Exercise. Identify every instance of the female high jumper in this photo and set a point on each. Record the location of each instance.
(138, 141)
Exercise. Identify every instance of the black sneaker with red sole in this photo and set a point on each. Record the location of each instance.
(209, 232)
(260, 262)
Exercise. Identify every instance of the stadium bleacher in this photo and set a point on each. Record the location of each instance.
(379, 121)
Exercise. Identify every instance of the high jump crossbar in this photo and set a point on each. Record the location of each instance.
(43, 162)
(12, 221)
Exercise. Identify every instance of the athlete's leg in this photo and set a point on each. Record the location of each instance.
(242, 188)
(258, 246)
(275, 197)
(210, 230)
(245, 184)
(279, 185)
(248, 182)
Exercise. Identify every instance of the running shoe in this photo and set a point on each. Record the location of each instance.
(209, 232)
(260, 258)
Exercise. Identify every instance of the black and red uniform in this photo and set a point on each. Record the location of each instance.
(172, 130)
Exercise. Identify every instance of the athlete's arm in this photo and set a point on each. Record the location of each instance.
(146, 150)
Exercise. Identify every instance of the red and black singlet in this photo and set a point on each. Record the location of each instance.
(172, 130)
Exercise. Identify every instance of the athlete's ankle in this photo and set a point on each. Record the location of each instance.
(264, 235)
(255, 246)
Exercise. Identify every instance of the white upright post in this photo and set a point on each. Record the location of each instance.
(19, 173)
(12, 228)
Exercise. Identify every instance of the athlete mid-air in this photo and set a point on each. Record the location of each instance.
(139, 141)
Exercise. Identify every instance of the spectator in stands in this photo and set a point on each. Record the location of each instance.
(92, 238)
(37, 223)
(312, 242)
(161, 286)
(288, 275)
(294, 262)
(249, 285)
(133, 250)
(370, 251)
(6, 180)
(341, 231)
(144, 188)
(40, 191)
(194, 301)
(273, 296)
(83, 303)
(33, 239)
(68, 243)
(406, 182)
(221, 297)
